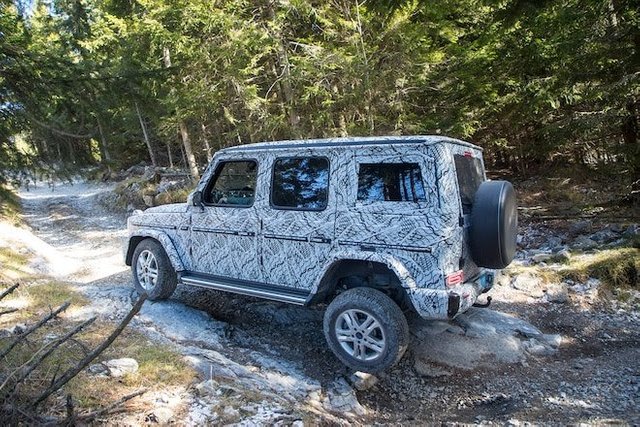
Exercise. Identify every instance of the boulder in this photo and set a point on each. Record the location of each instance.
(580, 227)
(528, 283)
(342, 399)
(557, 293)
(584, 243)
(543, 257)
(363, 381)
(120, 367)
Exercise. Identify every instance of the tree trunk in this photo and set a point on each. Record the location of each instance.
(367, 82)
(184, 132)
(191, 159)
(207, 147)
(104, 149)
(152, 154)
(170, 155)
(284, 77)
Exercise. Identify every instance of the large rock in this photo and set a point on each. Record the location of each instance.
(342, 399)
(121, 367)
(632, 231)
(557, 293)
(542, 257)
(605, 236)
(530, 284)
(482, 338)
(584, 243)
(581, 227)
(363, 381)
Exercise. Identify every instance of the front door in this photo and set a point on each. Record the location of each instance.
(224, 232)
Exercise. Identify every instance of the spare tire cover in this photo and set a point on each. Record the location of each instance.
(494, 224)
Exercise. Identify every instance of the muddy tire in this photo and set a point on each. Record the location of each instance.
(153, 273)
(366, 330)
(494, 225)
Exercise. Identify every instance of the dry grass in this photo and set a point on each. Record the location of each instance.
(616, 268)
(13, 265)
(9, 206)
(160, 367)
(545, 274)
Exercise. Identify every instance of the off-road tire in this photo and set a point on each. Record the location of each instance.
(166, 280)
(384, 311)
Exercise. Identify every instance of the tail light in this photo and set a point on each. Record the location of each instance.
(454, 279)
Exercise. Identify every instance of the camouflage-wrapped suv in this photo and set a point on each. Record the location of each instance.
(370, 226)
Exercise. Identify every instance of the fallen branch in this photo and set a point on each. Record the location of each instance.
(9, 290)
(24, 371)
(11, 310)
(26, 333)
(104, 411)
(72, 372)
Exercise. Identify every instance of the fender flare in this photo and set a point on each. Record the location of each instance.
(394, 264)
(161, 237)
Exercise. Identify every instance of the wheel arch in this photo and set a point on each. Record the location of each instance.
(160, 237)
(356, 265)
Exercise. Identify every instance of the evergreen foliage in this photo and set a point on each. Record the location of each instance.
(171, 81)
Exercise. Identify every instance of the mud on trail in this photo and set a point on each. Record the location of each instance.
(528, 358)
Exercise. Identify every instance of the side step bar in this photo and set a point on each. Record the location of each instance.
(254, 289)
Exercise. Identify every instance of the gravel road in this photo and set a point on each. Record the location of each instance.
(527, 359)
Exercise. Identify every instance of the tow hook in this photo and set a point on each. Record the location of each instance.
(485, 305)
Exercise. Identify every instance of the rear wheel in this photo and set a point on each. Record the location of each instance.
(153, 273)
(366, 330)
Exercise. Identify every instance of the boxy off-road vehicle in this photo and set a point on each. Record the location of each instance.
(370, 226)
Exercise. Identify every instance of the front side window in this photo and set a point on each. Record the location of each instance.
(300, 183)
(233, 184)
(390, 182)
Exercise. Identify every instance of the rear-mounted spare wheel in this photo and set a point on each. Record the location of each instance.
(494, 224)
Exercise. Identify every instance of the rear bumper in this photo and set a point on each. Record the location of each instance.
(448, 303)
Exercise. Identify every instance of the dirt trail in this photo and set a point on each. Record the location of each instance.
(490, 365)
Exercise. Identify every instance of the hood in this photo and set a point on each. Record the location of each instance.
(172, 208)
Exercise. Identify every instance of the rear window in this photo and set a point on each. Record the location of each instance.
(470, 176)
(390, 182)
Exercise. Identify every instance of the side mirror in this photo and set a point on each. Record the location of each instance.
(196, 199)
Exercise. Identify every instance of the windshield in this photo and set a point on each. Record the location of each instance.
(470, 176)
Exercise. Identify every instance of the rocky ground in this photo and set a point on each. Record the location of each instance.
(546, 351)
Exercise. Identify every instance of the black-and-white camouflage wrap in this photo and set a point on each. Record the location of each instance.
(421, 242)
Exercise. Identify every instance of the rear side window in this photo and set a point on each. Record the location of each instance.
(300, 183)
(390, 182)
(470, 176)
(233, 184)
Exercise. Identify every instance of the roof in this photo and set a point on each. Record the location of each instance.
(350, 141)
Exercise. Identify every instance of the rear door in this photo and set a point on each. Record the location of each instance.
(298, 225)
(393, 208)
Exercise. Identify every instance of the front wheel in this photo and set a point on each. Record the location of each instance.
(153, 273)
(366, 330)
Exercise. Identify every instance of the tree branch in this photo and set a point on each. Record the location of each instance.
(26, 333)
(9, 290)
(72, 372)
(39, 357)
(11, 310)
(95, 414)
